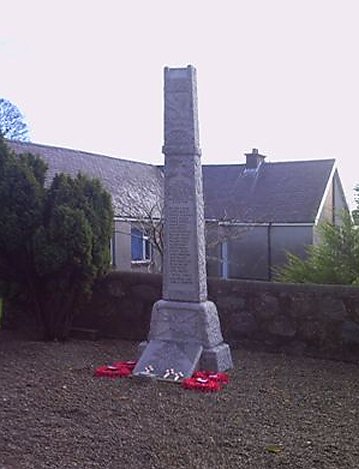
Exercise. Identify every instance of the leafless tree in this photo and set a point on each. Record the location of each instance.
(12, 122)
(147, 216)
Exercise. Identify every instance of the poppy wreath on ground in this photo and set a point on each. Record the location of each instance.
(201, 384)
(129, 364)
(116, 370)
(207, 381)
(222, 378)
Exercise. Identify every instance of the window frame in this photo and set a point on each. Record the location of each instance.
(145, 246)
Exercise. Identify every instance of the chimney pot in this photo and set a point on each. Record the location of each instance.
(254, 159)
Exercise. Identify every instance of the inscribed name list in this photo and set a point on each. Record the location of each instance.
(181, 272)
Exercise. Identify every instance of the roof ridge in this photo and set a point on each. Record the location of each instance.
(72, 150)
(101, 155)
(318, 160)
(267, 163)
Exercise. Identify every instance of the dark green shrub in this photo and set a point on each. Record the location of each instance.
(54, 241)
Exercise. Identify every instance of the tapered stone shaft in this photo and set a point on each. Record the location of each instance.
(184, 271)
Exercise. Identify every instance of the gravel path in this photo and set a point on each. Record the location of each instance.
(276, 412)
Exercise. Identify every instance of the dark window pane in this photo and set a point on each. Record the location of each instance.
(136, 245)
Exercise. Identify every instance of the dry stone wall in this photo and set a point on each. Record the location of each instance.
(317, 320)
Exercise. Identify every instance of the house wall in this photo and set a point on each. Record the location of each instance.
(214, 260)
(121, 252)
(121, 245)
(340, 204)
(301, 319)
(248, 253)
(254, 252)
(327, 214)
(214, 236)
(333, 207)
(294, 239)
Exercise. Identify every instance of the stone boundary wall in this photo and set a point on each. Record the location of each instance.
(316, 320)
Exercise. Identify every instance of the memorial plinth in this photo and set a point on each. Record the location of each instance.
(185, 331)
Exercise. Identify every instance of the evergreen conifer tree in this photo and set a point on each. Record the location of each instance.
(54, 241)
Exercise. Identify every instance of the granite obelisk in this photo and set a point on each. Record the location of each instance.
(185, 331)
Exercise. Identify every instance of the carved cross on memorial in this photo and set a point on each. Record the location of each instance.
(185, 332)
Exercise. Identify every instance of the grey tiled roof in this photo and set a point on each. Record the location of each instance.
(135, 187)
(289, 192)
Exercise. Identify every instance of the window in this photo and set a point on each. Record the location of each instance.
(140, 246)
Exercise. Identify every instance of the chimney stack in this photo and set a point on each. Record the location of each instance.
(254, 159)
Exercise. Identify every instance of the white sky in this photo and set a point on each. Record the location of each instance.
(278, 75)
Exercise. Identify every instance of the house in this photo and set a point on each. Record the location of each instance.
(255, 212)
(266, 210)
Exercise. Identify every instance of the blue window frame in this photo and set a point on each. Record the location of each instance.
(140, 246)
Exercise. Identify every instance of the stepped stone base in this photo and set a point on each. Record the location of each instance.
(184, 337)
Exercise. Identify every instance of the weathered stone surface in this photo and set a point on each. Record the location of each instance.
(333, 308)
(316, 334)
(243, 323)
(115, 289)
(186, 322)
(181, 111)
(234, 303)
(311, 332)
(266, 306)
(184, 266)
(349, 332)
(281, 326)
(141, 348)
(144, 292)
(303, 306)
(161, 356)
(217, 358)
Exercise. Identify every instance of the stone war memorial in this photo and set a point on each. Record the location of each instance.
(185, 332)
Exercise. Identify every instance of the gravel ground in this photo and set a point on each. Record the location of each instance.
(276, 412)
